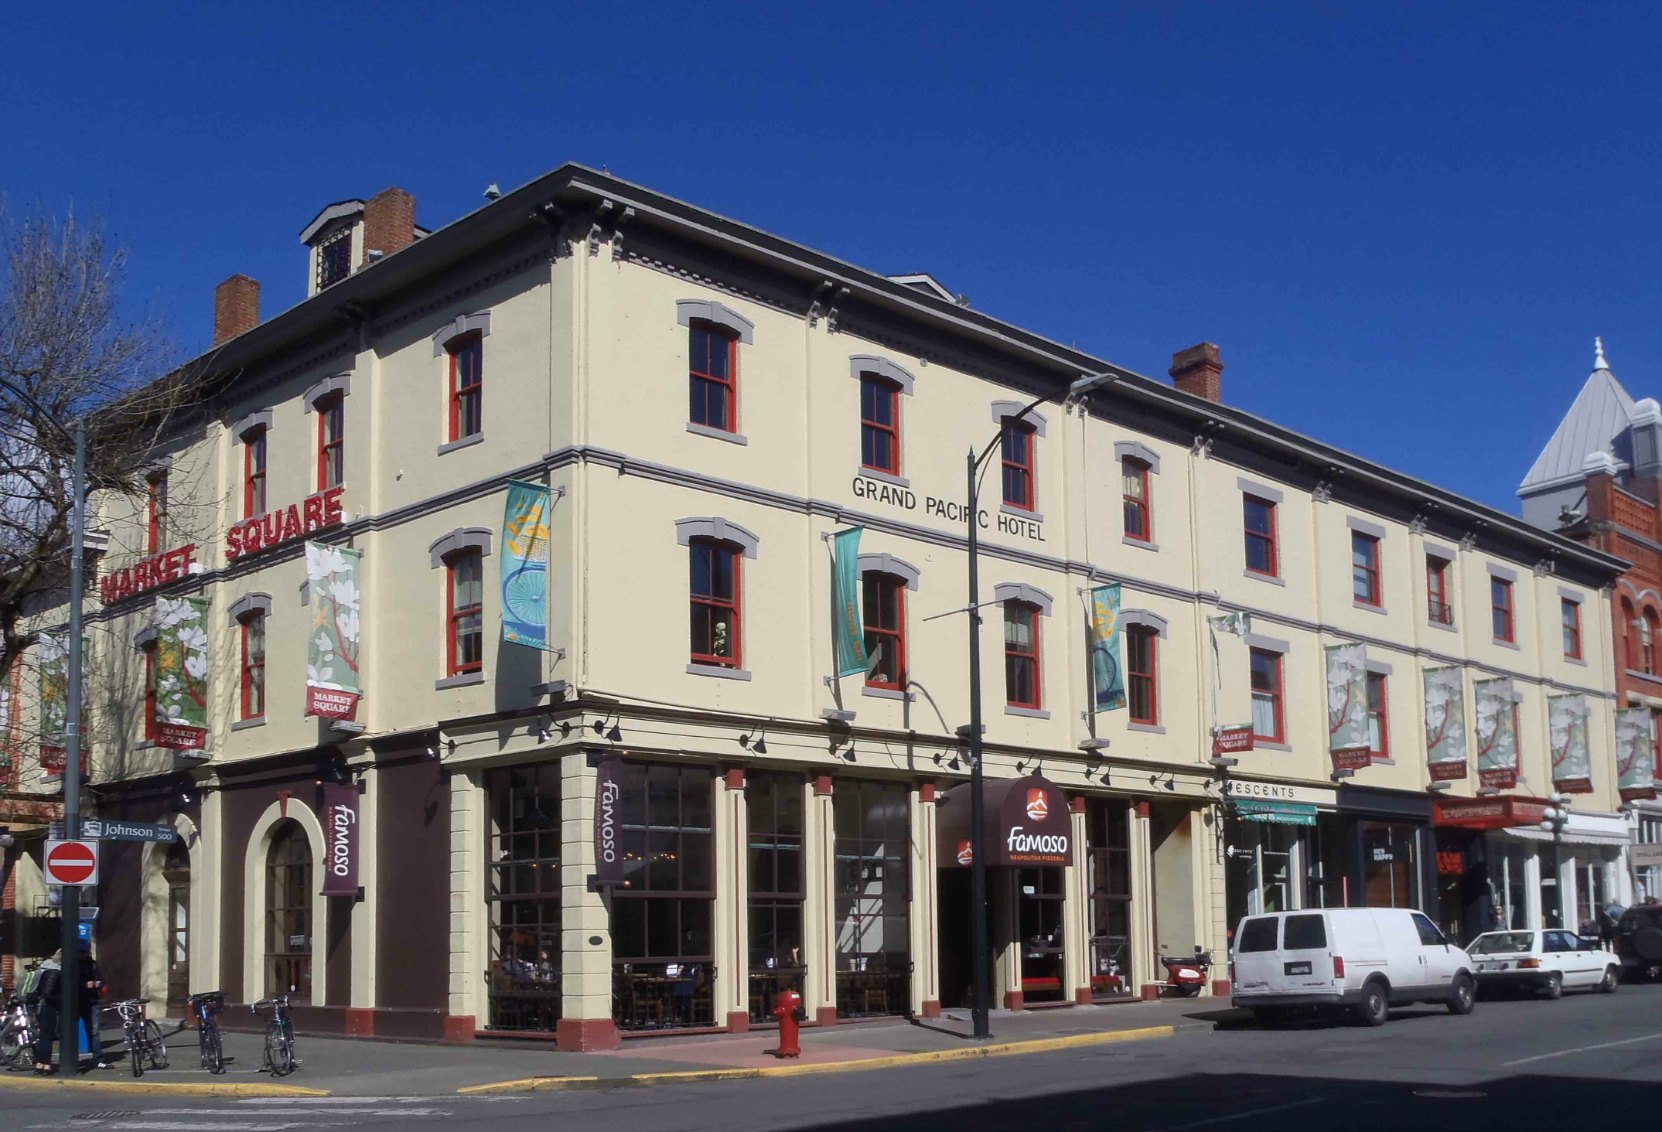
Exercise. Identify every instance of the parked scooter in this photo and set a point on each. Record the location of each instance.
(1186, 976)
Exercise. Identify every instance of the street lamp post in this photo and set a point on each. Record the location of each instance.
(978, 817)
(1554, 820)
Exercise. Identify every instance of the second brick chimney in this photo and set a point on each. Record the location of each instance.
(236, 307)
(1199, 371)
(389, 224)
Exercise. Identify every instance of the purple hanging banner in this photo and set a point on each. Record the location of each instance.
(340, 839)
(608, 822)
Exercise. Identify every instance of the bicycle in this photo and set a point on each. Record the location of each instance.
(203, 1007)
(279, 1036)
(19, 1027)
(143, 1037)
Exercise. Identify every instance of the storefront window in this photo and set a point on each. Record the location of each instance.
(1511, 890)
(288, 913)
(1649, 877)
(874, 964)
(1108, 831)
(1390, 864)
(774, 802)
(1039, 927)
(523, 897)
(1264, 859)
(663, 955)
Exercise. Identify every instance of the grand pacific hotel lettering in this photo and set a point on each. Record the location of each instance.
(951, 510)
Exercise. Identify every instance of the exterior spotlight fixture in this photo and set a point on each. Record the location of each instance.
(599, 725)
(7, 840)
(432, 752)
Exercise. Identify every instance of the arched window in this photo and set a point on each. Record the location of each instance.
(1630, 646)
(288, 912)
(1021, 655)
(1647, 641)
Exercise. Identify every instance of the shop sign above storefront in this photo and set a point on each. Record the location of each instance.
(274, 528)
(608, 822)
(1243, 788)
(1489, 813)
(1645, 856)
(1232, 740)
(1027, 824)
(1277, 813)
(340, 839)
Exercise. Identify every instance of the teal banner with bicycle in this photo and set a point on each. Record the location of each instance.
(1107, 673)
(525, 565)
(850, 629)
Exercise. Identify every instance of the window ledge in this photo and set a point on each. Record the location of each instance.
(1440, 625)
(883, 477)
(1640, 674)
(1026, 712)
(1581, 660)
(719, 671)
(885, 693)
(1139, 543)
(1270, 578)
(464, 442)
(1367, 606)
(1146, 728)
(1021, 512)
(1383, 762)
(1268, 745)
(716, 433)
(245, 724)
(462, 680)
(1513, 645)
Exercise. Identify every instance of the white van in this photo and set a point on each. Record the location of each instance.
(1362, 959)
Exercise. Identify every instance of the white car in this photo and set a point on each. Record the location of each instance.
(1548, 962)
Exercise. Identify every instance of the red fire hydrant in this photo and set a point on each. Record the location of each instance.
(789, 1045)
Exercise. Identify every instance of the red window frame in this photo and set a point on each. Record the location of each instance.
(1656, 739)
(253, 665)
(156, 513)
(331, 441)
(1379, 711)
(152, 731)
(1276, 693)
(1015, 657)
(1647, 641)
(1630, 630)
(1270, 539)
(1438, 609)
(1570, 616)
(457, 614)
(875, 588)
(1016, 458)
(704, 338)
(467, 385)
(1142, 673)
(1500, 610)
(254, 453)
(729, 605)
(1139, 510)
(876, 391)
(1364, 574)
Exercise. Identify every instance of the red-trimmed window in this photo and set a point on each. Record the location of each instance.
(1436, 590)
(464, 612)
(1021, 654)
(252, 630)
(156, 513)
(1379, 723)
(1016, 441)
(1259, 524)
(1139, 516)
(1364, 568)
(1268, 716)
(1630, 635)
(1648, 628)
(716, 605)
(879, 424)
(1570, 613)
(883, 598)
(467, 385)
(1141, 679)
(331, 441)
(253, 472)
(152, 732)
(1500, 609)
(1656, 738)
(713, 376)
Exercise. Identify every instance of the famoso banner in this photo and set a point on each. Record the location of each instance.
(181, 673)
(1107, 673)
(1572, 760)
(525, 565)
(845, 580)
(1497, 733)
(1445, 723)
(332, 686)
(1347, 706)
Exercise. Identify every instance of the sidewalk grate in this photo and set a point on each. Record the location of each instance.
(107, 1114)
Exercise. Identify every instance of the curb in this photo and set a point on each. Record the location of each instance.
(964, 1053)
(165, 1088)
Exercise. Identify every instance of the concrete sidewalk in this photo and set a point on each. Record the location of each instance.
(366, 1067)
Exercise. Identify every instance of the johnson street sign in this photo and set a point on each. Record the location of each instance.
(97, 829)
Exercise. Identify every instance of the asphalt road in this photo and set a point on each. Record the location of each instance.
(1586, 1061)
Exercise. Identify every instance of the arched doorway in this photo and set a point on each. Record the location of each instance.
(288, 912)
(176, 874)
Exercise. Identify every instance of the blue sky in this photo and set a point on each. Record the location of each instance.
(1402, 223)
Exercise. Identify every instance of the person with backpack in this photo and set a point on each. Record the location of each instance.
(50, 989)
(47, 988)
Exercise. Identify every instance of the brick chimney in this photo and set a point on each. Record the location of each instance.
(236, 307)
(389, 224)
(1199, 371)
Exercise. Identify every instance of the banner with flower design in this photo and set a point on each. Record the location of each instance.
(1635, 757)
(53, 658)
(181, 673)
(1497, 733)
(1572, 759)
(1347, 707)
(1445, 723)
(332, 687)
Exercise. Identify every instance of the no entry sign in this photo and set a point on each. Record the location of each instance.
(71, 862)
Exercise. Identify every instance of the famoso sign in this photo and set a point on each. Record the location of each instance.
(284, 525)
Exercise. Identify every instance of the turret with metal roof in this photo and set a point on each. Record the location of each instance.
(1599, 421)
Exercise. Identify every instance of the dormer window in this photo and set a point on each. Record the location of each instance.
(334, 259)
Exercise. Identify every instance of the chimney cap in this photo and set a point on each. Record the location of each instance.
(1598, 463)
(1201, 353)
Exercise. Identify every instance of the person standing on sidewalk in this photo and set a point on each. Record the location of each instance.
(51, 985)
(46, 1031)
(92, 989)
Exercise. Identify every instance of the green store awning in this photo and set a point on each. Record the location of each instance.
(1281, 813)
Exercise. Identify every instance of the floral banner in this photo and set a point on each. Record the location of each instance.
(1347, 706)
(1635, 757)
(1445, 723)
(332, 687)
(181, 673)
(54, 702)
(1572, 759)
(1497, 733)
